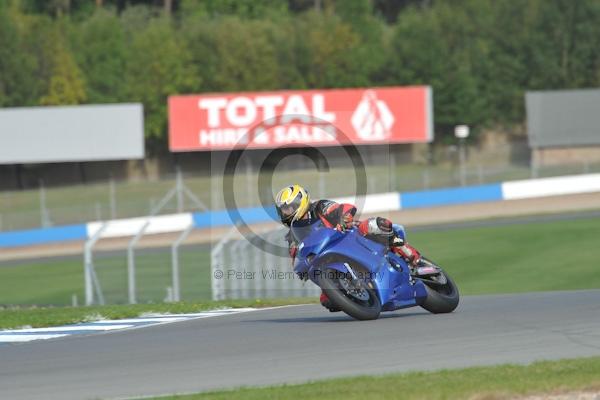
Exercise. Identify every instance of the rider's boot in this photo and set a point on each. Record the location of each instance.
(384, 231)
(399, 246)
(406, 251)
(325, 302)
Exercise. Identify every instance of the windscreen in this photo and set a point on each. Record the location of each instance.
(301, 229)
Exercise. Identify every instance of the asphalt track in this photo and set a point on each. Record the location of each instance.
(300, 343)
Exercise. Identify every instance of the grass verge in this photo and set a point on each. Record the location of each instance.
(53, 316)
(490, 383)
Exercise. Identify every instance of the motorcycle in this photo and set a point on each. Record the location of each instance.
(362, 278)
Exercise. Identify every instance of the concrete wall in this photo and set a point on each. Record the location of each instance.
(566, 155)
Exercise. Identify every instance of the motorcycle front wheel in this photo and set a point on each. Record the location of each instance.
(355, 297)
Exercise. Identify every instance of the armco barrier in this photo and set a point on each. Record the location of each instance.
(524, 189)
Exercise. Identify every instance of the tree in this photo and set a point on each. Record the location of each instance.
(256, 9)
(101, 50)
(17, 66)
(327, 47)
(66, 84)
(159, 65)
(439, 46)
(247, 55)
(369, 52)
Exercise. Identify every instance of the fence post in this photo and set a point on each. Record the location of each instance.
(533, 164)
(426, 179)
(45, 217)
(234, 254)
(371, 184)
(462, 156)
(249, 181)
(131, 262)
(216, 284)
(258, 281)
(179, 190)
(113, 198)
(175, 262)
(98, 211)
(322, 185)
(392, 171)
(88, 266)
(151, 205)
(586, 167)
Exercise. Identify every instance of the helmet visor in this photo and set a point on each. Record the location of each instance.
(287, 211)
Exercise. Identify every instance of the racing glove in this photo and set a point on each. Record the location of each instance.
(348, 220)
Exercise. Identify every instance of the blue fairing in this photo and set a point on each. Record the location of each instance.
(321, 247)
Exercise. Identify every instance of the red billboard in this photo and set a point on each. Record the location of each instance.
(224, 121)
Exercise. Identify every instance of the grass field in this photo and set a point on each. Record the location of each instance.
(489, 383)
(53, 282)
(541, 256)
(538, 256)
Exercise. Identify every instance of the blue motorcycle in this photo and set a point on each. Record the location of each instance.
(362, 278)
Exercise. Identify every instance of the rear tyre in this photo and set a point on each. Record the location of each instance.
(441, 298)
(357, 299)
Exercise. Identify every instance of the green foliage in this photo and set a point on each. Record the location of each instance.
(480, 56)
(101, 50)
(66, 84)
(159, 66)
(245, 64)
(327, 48)
(240, 8)
(17, 66)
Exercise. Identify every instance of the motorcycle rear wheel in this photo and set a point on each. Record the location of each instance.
(441, 299)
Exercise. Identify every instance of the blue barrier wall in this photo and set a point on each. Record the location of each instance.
(440, 197)
(250, 215)
(43, 235)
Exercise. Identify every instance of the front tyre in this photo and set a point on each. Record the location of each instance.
(354, 297)
(441, 298)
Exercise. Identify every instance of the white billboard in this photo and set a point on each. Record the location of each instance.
(71, 133)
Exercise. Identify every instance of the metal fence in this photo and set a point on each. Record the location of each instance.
(157, 274)
(233, 268)
(193, 191)
(243, 269)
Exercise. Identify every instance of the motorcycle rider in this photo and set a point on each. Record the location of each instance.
(293, 204)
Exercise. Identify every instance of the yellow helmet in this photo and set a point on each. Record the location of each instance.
(292, 203)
